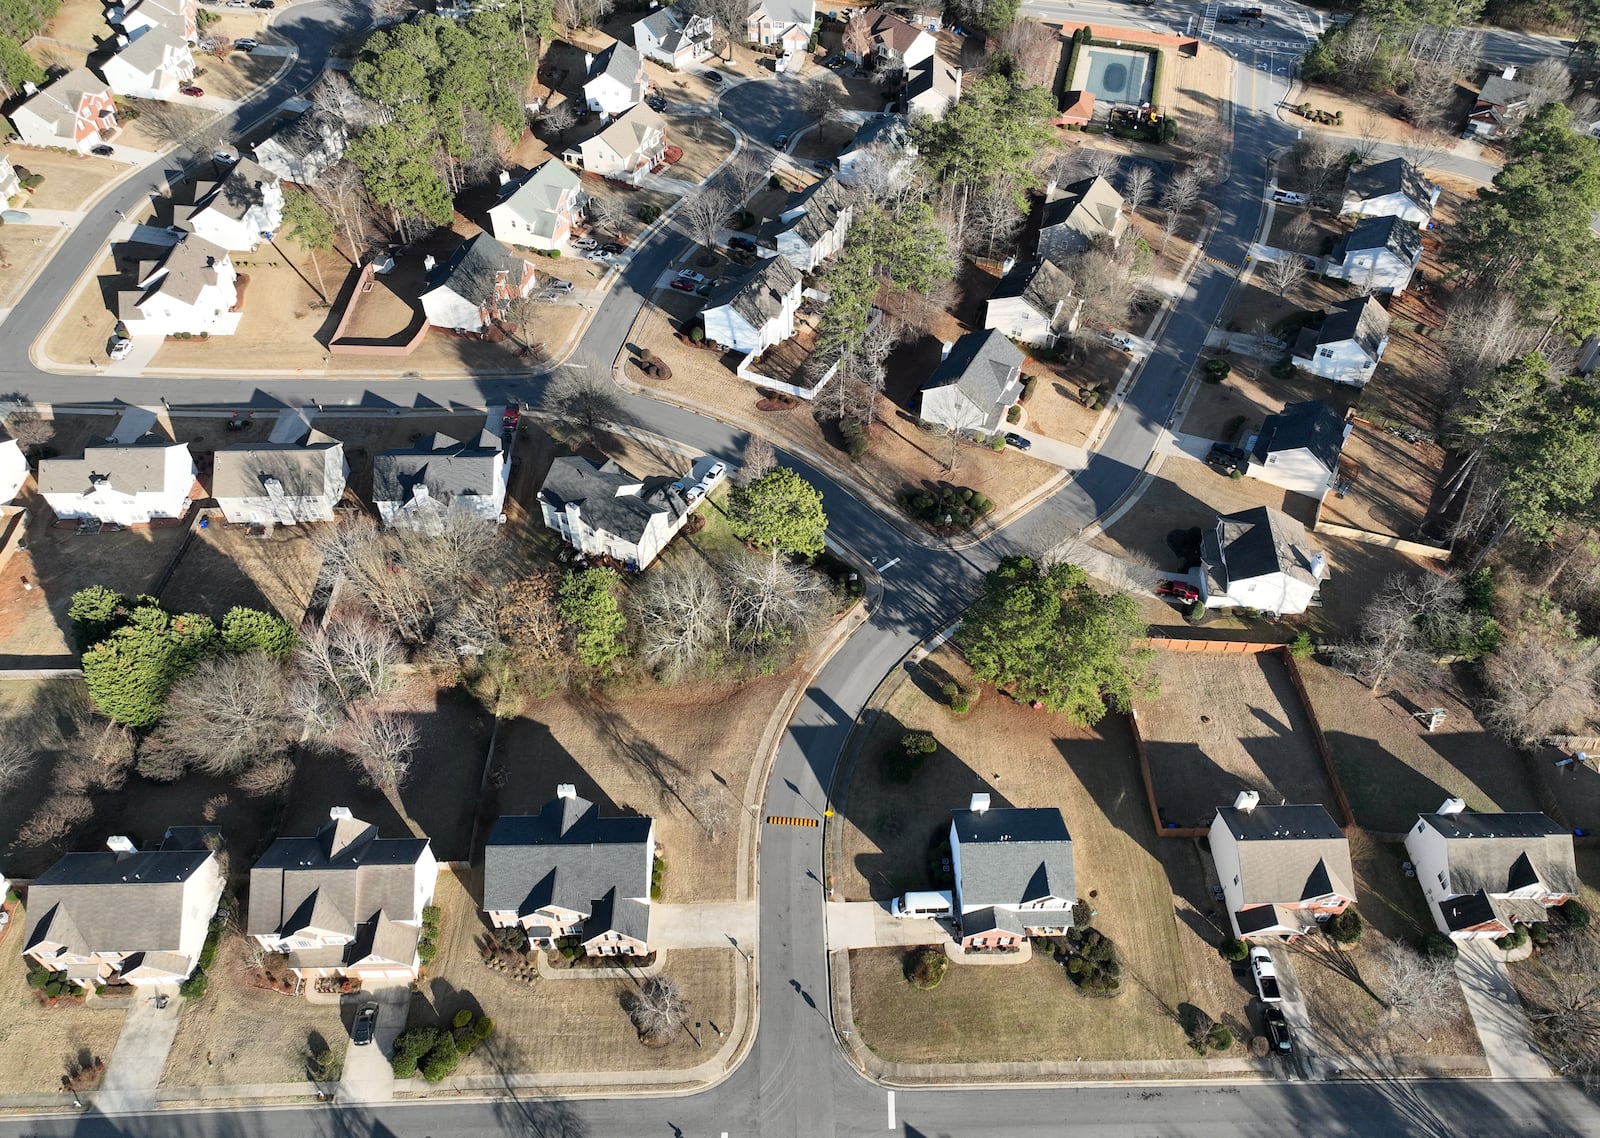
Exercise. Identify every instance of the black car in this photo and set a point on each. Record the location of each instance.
(1277, 1029)
(656, 103)
(263, 4)
(713, 77)
(1223, 450)
(611, 247)
(743, 244)
(781, 141)
(102, 152)
(1015, 440)
(366, 1025)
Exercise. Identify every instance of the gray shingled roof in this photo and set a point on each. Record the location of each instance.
(887, 130)
(1310, 425)
(1499, 853)
(594, 488)
(823, 204)
(1361, 318)
(785, 13)
(477, 270)
(981, 365)
(182, 272)
(621, 63)
(446, 466)
(347, 873)
(1041, 284)
(1091, 206)
(147, 51)
(536, 196)
(1289, 853)
(1013, 855)
(758, 295)
(242, 189)
(58, 103)
(301, 468)
(105, 901)
(1396, 176)
(1498, 91)
(308, 132)
(568, 856)
(1256, 543)
(132, 468)
(1395, 234)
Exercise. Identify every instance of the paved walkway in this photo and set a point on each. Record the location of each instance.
(1497, 1013)
(133, 1073)
(703, 926)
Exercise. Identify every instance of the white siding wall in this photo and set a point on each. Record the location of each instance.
(1426, 848)
(1297, 470)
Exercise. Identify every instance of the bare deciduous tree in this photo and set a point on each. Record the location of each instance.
(1562, 996)
(711, 803)
(381, 744)
(1100, 163)
(704, 215)
(17, 758)
(1389, 632)
(682, 616)
(350, 658)
(268, 776)
(658, 1010)
(1369, 133)
(559, 119)
(1136, 185)
(609, 212)
(584, 399)
(343, 196)
(56, 817)
(820, 98)
(1419, 990)
(1284, 273)
(529, 619)
(745, 173)
(227, 714)
(1109, 282)
(1182, 192)
(1542, 678)
(771, 602)
(1423, 148)
(758, 458)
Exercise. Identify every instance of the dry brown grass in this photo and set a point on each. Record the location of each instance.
(38, 1041)
(69, 179)
(224, 566)
(563, 1025)
(705, 143)
(1391, 481)
(27, 249)
(79, 23)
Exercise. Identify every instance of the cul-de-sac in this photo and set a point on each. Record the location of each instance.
(799, 568)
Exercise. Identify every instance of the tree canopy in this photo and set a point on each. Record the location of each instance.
(780, 512)
(997, 129)
(129, 673)
(906, 250)
(587, 601)
(1046, 635)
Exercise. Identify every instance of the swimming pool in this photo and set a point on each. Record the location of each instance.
(1116, 75)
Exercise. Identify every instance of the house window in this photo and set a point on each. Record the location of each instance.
(1326, 353)
(1441, 879)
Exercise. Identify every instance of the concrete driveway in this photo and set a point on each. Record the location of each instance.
(867, 924)
(1497, 1013)
(367, 1074)
(703, 926)
(1053, 451)
(134, 1070)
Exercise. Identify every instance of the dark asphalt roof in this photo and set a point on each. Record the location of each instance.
(444, 465)
(980, 364)
(1396, 176)
(1261, 541)
(1395, 234)
(593, 488)
(1362, 319)
(1013, 855)
(1289, 853)
(1500, 853)
(1311, 425)
(477, 270)
(345, 874)
(758, 295)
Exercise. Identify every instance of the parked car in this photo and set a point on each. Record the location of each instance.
(1124, 341)
(246, 44)
(683, 286)
(366, 1025)
(718, 469)
(192, 91)
(707, 288)
(561, 286)
(239, 4)
(1178, 590)
(120, 347)
(1277, 1029)
(1266, 976)
(694, 493)
(264, 5)
(690, 275)
(103, 151)
(781, 141)
(611, 248)
(585, 243)
(598, 255)
(1289, 197)
(1015, 440)
(655, 103)
(512, 416)
(224, 157)
(743, 244)
(713, 77)
(1226, 458)
(1228, 451)
(1249, 13)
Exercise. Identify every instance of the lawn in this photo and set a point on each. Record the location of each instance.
(705, 143)
(1020, 757)
(38, 1041)
(225, 566)
(24, 250)
(237, 1033)
(1231, 410)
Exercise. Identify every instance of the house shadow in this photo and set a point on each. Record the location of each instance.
(1385, 793)
(529, 764)
(1188, 784)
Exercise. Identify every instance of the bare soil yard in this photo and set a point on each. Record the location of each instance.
(1020, 757)
(1392, 483)
(237, 1033)
(566, 1024)
(1222, 724)
(38, 1041)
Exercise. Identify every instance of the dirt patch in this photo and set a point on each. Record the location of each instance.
(1226, 723)
(566, 1024)
(24, 250)
(238, 1033)
(39, 1041)
(70, 180)
(1020, 757)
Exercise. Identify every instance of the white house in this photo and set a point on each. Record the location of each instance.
(1013, 873)
(1347, 344)
(541, 209)
(476, 286)
(673, 37)
(343, 903)
(626, 150)
(1394, 188)
(1501, 105)
(1485, 873)
(10, 180)
(1033, 303)
(881, 154)
(1378, 255)
(811, 227)
(878, 36)
(979, 378)
(122, 914)
(286, 483)
(13, 468)
(782, 24)
(181, 16)
(566, 871)
(602, 510)
(932, 88)
(191, 287)
(77, 112)
(120, 483)
(1284, 869)
(616, 80)
(153, 66)
(300, 150)
(240, 211)
(412, 486)
(752, 313)
(1077, 215)
(1298, 448)
(1260, 559)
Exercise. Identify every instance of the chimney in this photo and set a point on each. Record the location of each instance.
(944, 350)
(336, 813)
(122, 41)
(428, 262)
(505, 177)
(1452, 807)
(1319, 565)
(980, 803)
(1007, 265)
(29, 89)
(566, 790)
(116, 843)
(588, 63)
(1510, 71)
(1247, 800)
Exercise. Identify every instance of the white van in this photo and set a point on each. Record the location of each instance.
(922, 905)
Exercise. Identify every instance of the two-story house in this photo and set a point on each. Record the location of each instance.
(10, 180)
(881, 154)
(1485, 873)
(77, 112)
(616, 80)
(240, 211)
(1013, 873)
(283, 483)
(301, 149)
(1298, 448)
(568, 872)
(345, 902)
(879, 38)
(932, 88)
(752, 312)
(781, 24)
(1378, 255)
(673, 37)
(979, 378)
(1394, 188)
(602, 510)
(1033, 303)
(153, 66)
(627, 150)
(1078, 215)
(541, 209)
(476, 286)
(190, 287)
(812, 226)
(1501, 105)
(1260, 559)
(138, 16)
(1284, 869)
(414, 485)
(123, 914)
(120, 483)
(1348, 342)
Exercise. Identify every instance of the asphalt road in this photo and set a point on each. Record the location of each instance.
(796, 1081)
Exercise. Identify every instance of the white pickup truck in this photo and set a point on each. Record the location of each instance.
(1266, 976)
